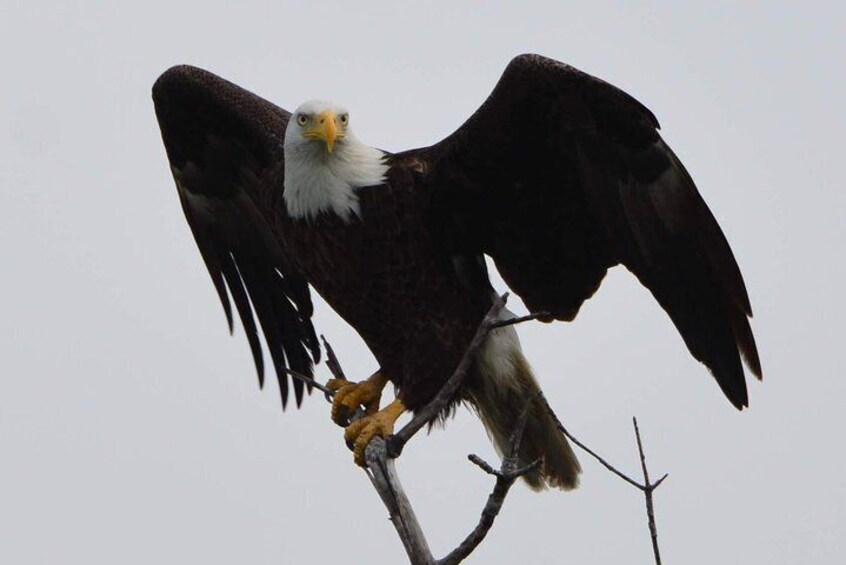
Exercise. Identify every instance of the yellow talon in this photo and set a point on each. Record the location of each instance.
(359, 433)
(350, 396)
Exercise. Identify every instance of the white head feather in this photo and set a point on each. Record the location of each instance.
(321, 177)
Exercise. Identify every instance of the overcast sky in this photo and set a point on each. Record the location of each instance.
(132, 429)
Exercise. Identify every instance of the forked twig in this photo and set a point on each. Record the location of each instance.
(648, 488)
(510, 470)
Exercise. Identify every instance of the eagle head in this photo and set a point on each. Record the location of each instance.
(318, 123)
(325, 163)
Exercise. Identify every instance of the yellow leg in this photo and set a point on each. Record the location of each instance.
(359, 433)
(350, 396)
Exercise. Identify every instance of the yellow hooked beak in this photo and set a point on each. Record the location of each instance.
(325, 128)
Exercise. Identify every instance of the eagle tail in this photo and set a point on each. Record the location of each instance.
(503, 382)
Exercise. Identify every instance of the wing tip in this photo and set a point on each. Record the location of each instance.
(260, 374)
(740, 402)
(175, 75)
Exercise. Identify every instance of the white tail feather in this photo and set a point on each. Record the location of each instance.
(501, 385)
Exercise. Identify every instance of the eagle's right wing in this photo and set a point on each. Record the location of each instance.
(225, 150)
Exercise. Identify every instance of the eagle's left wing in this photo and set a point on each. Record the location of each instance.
(225, 150)
(559, 176)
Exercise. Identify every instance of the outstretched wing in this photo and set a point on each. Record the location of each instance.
(225, 150)
(559, 176)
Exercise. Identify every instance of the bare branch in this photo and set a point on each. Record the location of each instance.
(311, 382)
(508, 472)
(521, 319)
(332, 361)
(489, 514)
(520, 471)
(382, 474)
(585, 448)
(482, 464)
(397, 442)
(647, 492)
(647, 488)
(380, 455)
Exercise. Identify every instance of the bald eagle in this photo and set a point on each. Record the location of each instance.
(557, 177)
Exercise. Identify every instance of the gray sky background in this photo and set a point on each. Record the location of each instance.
(132, 429)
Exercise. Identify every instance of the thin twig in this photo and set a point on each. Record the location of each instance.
(585, 448)
(482, 464)
(647, 492)
(521, 319)
(647, 487)
(332, 361)
(311, 382)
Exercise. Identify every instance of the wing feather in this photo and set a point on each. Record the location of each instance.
(225, 149)
(560, 176)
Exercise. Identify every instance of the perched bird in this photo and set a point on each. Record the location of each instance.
(557, 177)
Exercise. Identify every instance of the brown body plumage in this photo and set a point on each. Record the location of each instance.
(393, 286)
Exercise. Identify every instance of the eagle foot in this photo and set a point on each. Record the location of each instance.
(358, 434)
(350, 396)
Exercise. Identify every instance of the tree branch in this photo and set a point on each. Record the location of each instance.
(509, 471)
(397, 442)
(380, 455)
(585, 448)
(648, 488)
(383, 475)
(329, 393)
(520, 319)
(332, 361)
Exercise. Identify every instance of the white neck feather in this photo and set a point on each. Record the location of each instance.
(317, 181)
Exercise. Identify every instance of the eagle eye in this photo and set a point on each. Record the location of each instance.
(345, 118)
(302, 119)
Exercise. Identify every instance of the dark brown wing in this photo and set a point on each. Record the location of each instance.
(559, 176)
(225, 150)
